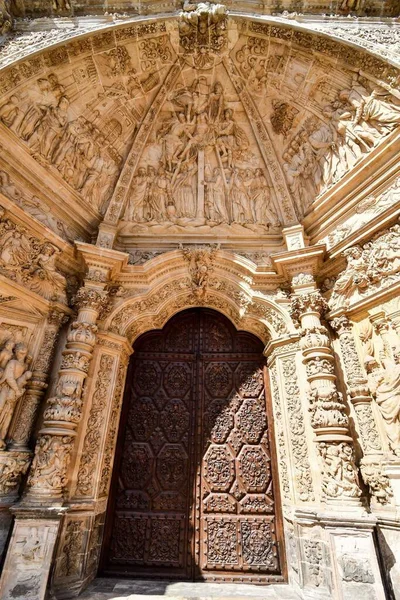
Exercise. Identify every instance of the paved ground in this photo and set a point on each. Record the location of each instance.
(116, 589)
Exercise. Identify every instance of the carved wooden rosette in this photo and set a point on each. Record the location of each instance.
(361, 399)
(328, 412)
(63, 412)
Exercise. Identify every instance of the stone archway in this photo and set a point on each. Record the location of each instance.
(195, 493)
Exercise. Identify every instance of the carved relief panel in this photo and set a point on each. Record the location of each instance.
(193, 493)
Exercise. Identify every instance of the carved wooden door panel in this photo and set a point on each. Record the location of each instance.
(148, 533)
(192, 489)
(237, 532)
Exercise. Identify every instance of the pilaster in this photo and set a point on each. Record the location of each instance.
(49, 477)
(360, 397)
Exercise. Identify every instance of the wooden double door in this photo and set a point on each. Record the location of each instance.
(192, 494)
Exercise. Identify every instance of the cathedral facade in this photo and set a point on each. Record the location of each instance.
(199, 295)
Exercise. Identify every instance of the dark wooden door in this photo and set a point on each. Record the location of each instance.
(192, 494)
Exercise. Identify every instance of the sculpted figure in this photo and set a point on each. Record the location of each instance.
(215, 197)
(341, 478)
(8, 188)
(45, 277)
(385, 385)
(160, 195)
(6, 353)
(135, 210)
(184, 190)
(174, 140)
(376, 113)
(217, 103)
(10, 112)
(324, 144)
(15, 249)
(230, 137)
(41, 102)
(354, 277)
(12, 386)
(241, 211)
(51, 128)
(263, 210)
(200, 137)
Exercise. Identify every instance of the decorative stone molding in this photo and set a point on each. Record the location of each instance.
(328, 411)
(91, 444)
(62, 415)
(298, 439)
(360, 397)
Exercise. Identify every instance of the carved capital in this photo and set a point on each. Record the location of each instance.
(91, 298)
(303, 304)
(341, 325)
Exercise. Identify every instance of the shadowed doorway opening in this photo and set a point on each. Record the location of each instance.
(194, 494)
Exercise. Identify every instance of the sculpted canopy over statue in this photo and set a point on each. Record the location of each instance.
(14, 369)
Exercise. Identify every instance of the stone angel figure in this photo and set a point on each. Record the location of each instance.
(200, 267)
(355, 277)
(13, 380)
(385, 386)
(46, 279)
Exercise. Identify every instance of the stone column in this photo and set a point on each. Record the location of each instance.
(42, 503)
(360, 397)
(48, 475)
(329, 419)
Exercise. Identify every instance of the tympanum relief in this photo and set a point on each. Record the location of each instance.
(198, 171)
(228, 122)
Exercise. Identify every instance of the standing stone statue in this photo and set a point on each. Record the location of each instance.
(386, 387)
(12, 385)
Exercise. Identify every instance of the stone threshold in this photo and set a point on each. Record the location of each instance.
(136, 589)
